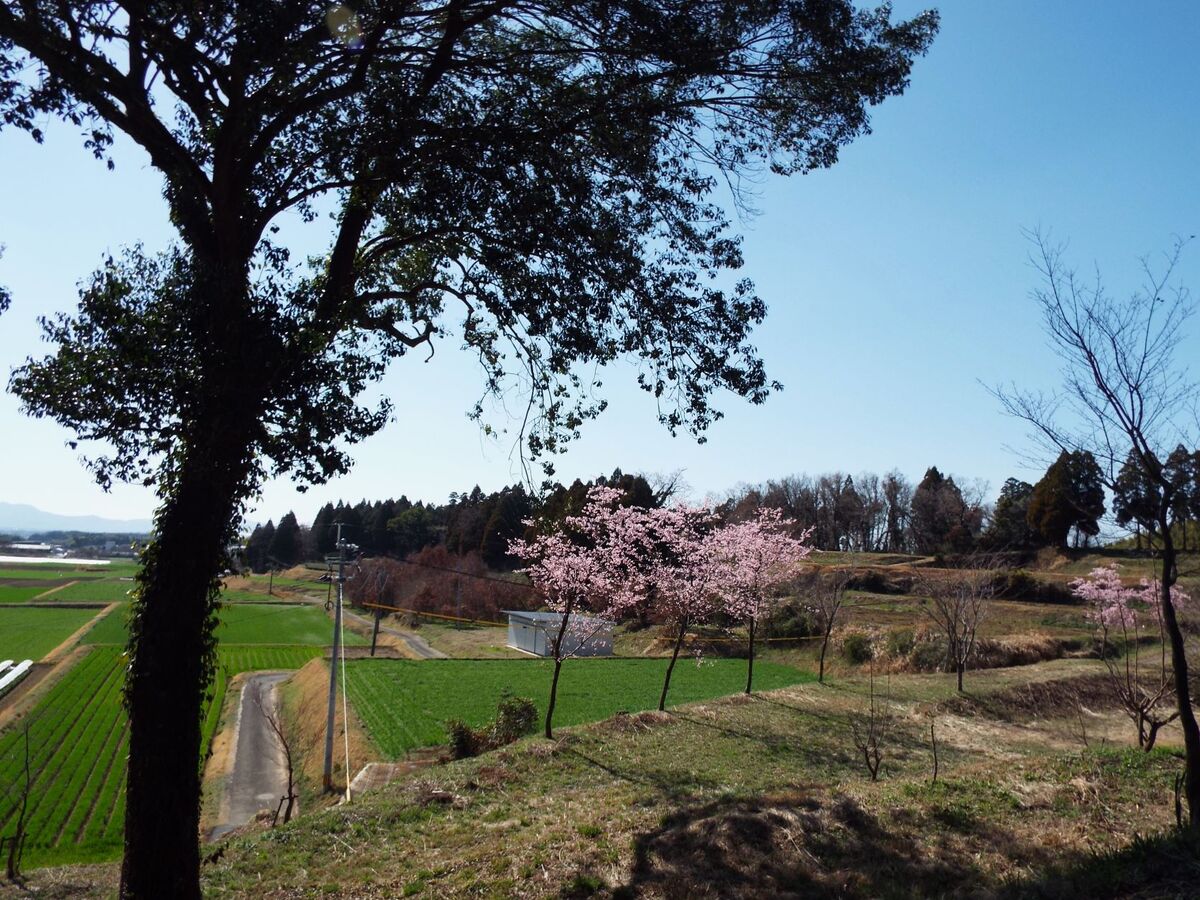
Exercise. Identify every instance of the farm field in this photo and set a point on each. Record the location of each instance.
(78, 742)
(20, 593)
(101, 590)
(31, 633)
(282, 624)
(404, 703)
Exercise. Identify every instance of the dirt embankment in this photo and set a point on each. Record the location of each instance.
(305, 698)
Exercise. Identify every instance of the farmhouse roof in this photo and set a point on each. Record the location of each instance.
(552, 618)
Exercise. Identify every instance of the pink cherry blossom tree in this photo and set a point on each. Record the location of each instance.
(758, 556)
(1127, 612)
(684, 574)
(592, 565)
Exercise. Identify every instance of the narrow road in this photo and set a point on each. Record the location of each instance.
(258, 777)
(418, 645)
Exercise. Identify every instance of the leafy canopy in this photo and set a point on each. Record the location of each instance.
(548, 171)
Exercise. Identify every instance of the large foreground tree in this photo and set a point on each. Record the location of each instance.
(1127, 399)
(548, 170)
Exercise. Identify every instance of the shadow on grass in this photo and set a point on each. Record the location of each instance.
(673, 784)
(1163, 866)
(788, 846)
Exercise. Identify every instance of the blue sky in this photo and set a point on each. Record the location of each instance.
(897, 280)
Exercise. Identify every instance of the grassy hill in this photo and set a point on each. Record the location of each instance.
(756, 797)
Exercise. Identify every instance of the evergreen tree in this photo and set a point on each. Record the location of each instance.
(258, 548)
(1135, 498)
(941, 520)
(1009, 528)
(286, 548)
(507, 521)
(1070, 495)
(322, 531)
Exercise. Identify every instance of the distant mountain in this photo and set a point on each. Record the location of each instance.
(21, 519)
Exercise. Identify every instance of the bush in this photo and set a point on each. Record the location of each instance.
(465, 741)
(900, 643)
(515, 718)
(794, 620)
(856, 647)
(928, 656)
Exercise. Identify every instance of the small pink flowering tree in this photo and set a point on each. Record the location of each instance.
(590, 565)
(1123, 611)
(758, 556)
(683, 574)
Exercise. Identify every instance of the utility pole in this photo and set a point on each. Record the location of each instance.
(327, 779)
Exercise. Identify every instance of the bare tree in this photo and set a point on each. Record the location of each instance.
(1124, 395)
(16, 843)
(269, 710)
(871, 728)
(957, 605)
(825, 599)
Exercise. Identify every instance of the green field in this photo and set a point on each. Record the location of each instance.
(11, 594)
(104, 590)
(260, 623)
(404, 703)
(78, 743)
(236, 659)
(31, 633)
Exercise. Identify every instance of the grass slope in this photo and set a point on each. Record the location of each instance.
(32, 632)
(404, 703)
(748, 798)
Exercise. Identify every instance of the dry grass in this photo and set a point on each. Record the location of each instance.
(753, 797)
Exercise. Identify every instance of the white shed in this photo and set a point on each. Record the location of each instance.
(534, 633)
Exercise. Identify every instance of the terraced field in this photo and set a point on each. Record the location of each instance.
(32, 632)
(10, 593)
(276, 624)
(404, 703)
(100, 590)
(78, 742)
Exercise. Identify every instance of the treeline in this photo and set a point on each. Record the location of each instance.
(888, 514)
(470, 522)
(868, 512)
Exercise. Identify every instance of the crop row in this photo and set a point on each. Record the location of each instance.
(73, 738)
(78, 743)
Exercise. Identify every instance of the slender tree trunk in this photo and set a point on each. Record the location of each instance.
(558, 661)
(750, 658)
(824, 647)
(959, 668)
(662, 700)
(1187, 716)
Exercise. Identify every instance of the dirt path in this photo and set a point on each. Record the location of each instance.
(70, 642)
(258, 777)
(419, 646)
(53, 590)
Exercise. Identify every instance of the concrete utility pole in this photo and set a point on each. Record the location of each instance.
(327, 779)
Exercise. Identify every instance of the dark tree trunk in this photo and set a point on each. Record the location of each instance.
(824, 648)
(169, 670)
(959, 668)
(662, 700)
(1187, 716)
(750, 659)
(558, 661)
(172, 645)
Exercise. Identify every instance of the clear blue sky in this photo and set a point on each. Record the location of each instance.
(896, 280)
